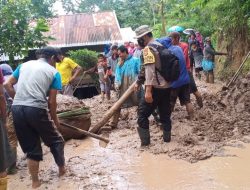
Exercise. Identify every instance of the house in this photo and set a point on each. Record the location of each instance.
(85, 30)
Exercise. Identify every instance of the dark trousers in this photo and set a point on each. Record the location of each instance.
(193, 87)
(7, 158)
(161, 100)
(31, 124)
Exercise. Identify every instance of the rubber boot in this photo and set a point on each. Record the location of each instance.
(166, 136)
(3, 183)
(144, 136)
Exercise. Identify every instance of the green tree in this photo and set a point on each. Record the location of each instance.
(19, 30)
(42, 8)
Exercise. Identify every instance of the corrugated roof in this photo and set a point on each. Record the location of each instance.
(84, 29)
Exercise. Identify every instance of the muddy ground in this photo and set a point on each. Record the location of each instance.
(225, 118)
(223, 121)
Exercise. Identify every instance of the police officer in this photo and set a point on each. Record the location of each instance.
(157, 89)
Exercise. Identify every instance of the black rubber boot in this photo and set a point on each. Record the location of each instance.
(166, 136)
(144, 136)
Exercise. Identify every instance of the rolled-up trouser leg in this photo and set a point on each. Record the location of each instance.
(35, 123)
(58, 153)
(28, 137)
(193, 87)
(52, 138)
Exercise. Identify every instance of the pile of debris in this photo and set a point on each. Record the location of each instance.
(68, 103)
(72, 111)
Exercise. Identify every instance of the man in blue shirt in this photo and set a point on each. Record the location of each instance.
(181, 87)
(34, 116)
(126, 73)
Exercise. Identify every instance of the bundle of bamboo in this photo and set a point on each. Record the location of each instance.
(73, 112)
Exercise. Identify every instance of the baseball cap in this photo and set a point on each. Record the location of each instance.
(48, 51)
(6, 69)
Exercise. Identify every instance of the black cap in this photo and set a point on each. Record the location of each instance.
(47, 51)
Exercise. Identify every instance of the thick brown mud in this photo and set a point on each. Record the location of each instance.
(92, 167)
(219, 131)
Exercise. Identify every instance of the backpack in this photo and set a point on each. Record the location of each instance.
(169, 67)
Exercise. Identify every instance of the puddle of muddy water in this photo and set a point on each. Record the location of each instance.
(160, 172)
(92, 167)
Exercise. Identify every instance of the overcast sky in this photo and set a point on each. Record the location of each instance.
(58, 8)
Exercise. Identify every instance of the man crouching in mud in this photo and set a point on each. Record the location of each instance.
(157, 89)
(37, 79)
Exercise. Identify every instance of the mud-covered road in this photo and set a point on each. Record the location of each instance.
(223, 123)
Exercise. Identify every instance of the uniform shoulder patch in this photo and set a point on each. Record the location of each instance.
(148, 56)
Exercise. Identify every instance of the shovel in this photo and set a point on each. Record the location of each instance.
(104, 142)
(237, 73)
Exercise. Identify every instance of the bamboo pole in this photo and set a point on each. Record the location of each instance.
(113, 109)
(87, 133)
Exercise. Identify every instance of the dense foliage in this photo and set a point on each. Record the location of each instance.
(207, 16)
(23, 25)
(85, 58)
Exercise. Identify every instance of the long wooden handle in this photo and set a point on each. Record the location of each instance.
(80, 80)
(113, 109)
(87, 133)
(238, 71)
